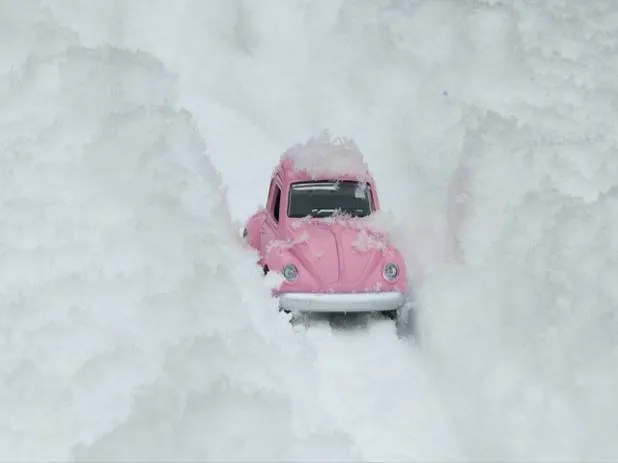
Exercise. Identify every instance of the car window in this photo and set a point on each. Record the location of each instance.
(326, 198)
(277, 203)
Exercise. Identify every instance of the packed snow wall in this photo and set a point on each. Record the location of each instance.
(488, 126)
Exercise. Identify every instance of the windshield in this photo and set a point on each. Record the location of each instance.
(324, 199)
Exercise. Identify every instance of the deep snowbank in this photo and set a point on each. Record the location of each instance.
(129, 307)
(524, 328)
(509, 104)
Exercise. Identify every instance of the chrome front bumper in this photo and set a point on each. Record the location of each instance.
(341, 302)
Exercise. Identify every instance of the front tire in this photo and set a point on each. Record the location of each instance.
(391, 314)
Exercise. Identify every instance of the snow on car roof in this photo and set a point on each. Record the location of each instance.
(323, 156)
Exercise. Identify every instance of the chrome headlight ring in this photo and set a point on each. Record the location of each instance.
(290, 272)
(390, 272)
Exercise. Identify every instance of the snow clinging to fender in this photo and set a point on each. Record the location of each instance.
(327, 156)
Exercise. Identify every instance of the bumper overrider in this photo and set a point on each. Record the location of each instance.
(341, 302)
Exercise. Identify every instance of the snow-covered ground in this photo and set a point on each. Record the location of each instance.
(136, 136)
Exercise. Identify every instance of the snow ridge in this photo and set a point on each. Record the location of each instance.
(325, 156)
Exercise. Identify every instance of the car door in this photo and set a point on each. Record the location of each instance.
(270, 226)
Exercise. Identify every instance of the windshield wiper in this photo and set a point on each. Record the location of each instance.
(322, 212)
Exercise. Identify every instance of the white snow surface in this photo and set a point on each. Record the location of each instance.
(137, 135)
(327, 157)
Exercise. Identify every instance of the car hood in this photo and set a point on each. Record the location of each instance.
(338, 253)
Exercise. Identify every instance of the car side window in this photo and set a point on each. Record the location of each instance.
(277, 203)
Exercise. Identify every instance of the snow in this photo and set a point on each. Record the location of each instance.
(128, 308)
(366, 241)
(288, 243)
(327, 157)
(135, 136)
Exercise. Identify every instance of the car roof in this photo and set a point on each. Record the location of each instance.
(324, 158)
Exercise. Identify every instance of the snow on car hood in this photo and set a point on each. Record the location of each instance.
(337, 249)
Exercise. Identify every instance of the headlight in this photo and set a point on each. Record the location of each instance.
(290, 272)
(391, 271)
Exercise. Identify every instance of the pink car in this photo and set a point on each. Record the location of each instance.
(315, 231)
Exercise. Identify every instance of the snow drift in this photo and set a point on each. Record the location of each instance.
(488, 127)
(122, 283)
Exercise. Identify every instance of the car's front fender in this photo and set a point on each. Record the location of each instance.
(251, 230)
